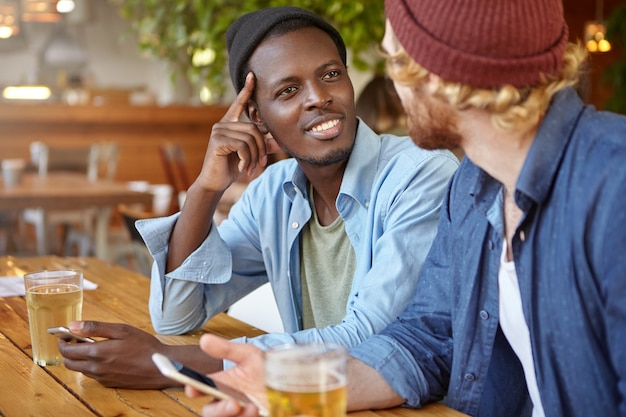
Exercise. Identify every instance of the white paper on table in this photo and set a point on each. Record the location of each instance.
(14, 286)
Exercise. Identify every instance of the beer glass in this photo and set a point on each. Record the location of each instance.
(306, 379)
(53, 298)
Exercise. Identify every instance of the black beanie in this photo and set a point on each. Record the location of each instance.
(249, 30)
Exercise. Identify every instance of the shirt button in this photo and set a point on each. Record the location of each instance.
(295, 225)
(367, 204)
(470, 377)
(491, 245)
(484, 315)
(522, 236)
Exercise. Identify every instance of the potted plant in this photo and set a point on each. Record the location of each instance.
(191, 34)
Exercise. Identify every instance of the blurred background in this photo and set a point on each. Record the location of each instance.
(171, 52)
(143, 82)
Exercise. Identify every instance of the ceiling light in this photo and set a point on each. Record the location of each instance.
(595, 32)
(65, 6)
(6, 32)
(26, 92)
(9, 24)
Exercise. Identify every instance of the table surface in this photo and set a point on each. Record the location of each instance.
(71, 191)
(65, 190)
(121, 296)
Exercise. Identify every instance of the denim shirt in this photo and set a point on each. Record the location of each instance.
(389, 199)
(570, 259)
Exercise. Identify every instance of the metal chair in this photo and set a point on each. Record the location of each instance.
(86, 160)
(80, 240)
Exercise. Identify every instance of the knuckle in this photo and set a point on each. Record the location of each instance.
(89, 326)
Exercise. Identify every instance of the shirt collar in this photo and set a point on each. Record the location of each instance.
(362, 165)
(546, 152)
(543, 160)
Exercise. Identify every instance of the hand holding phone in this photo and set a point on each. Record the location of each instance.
(217, 390)
(65, 334)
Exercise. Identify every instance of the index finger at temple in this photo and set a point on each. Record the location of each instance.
(239, 105)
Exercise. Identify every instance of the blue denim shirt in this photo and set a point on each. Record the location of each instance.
(389, 199)
(570, 258)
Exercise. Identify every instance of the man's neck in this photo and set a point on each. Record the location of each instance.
(326, 182)
(500, 153)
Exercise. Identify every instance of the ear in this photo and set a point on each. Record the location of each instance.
(271, 146)
(255, 117)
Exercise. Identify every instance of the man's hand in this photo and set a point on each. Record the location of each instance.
(235, 148)
(123, 359)
(248, 376)
(229, 408)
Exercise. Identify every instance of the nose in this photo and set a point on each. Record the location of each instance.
(318, 96)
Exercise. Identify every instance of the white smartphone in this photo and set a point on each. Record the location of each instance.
(216, 390)
(65, 334)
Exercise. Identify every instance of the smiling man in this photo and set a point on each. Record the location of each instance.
(340, 230)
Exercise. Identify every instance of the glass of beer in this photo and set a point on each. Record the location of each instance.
(306, 379)
(53, 298)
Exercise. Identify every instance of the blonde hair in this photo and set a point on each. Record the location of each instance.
(511, 107)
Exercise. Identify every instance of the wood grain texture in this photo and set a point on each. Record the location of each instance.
(139, 130)
(122, 296)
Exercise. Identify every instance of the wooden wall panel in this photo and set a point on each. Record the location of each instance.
(138, 131)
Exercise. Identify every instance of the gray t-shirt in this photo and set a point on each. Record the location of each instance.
(327, 268)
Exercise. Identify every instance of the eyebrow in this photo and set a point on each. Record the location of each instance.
(291, 79)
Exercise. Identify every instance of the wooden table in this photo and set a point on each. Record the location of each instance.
(70, 191)
(27, 389)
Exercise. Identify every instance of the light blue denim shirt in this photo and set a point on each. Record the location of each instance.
(389, 199)
(570, 259)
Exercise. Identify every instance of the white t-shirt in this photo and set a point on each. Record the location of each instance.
(515, 328)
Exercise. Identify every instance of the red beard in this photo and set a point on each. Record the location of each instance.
(432, 124)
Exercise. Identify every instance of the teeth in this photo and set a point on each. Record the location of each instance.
(325, 126)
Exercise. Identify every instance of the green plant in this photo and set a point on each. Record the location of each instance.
(614, 74)
(191, 34)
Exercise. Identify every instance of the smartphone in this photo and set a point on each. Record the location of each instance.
(65, 334)
(217, 390)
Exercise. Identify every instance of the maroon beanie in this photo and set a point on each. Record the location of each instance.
(482, 43)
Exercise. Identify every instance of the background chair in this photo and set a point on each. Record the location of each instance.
(8, 228)
(55, 228)
(173, 160)
(47, 159)
(108, 156)
(79, 237)
(82, 159)
(136, 247)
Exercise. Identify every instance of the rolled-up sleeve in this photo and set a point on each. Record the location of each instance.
(177, 299)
